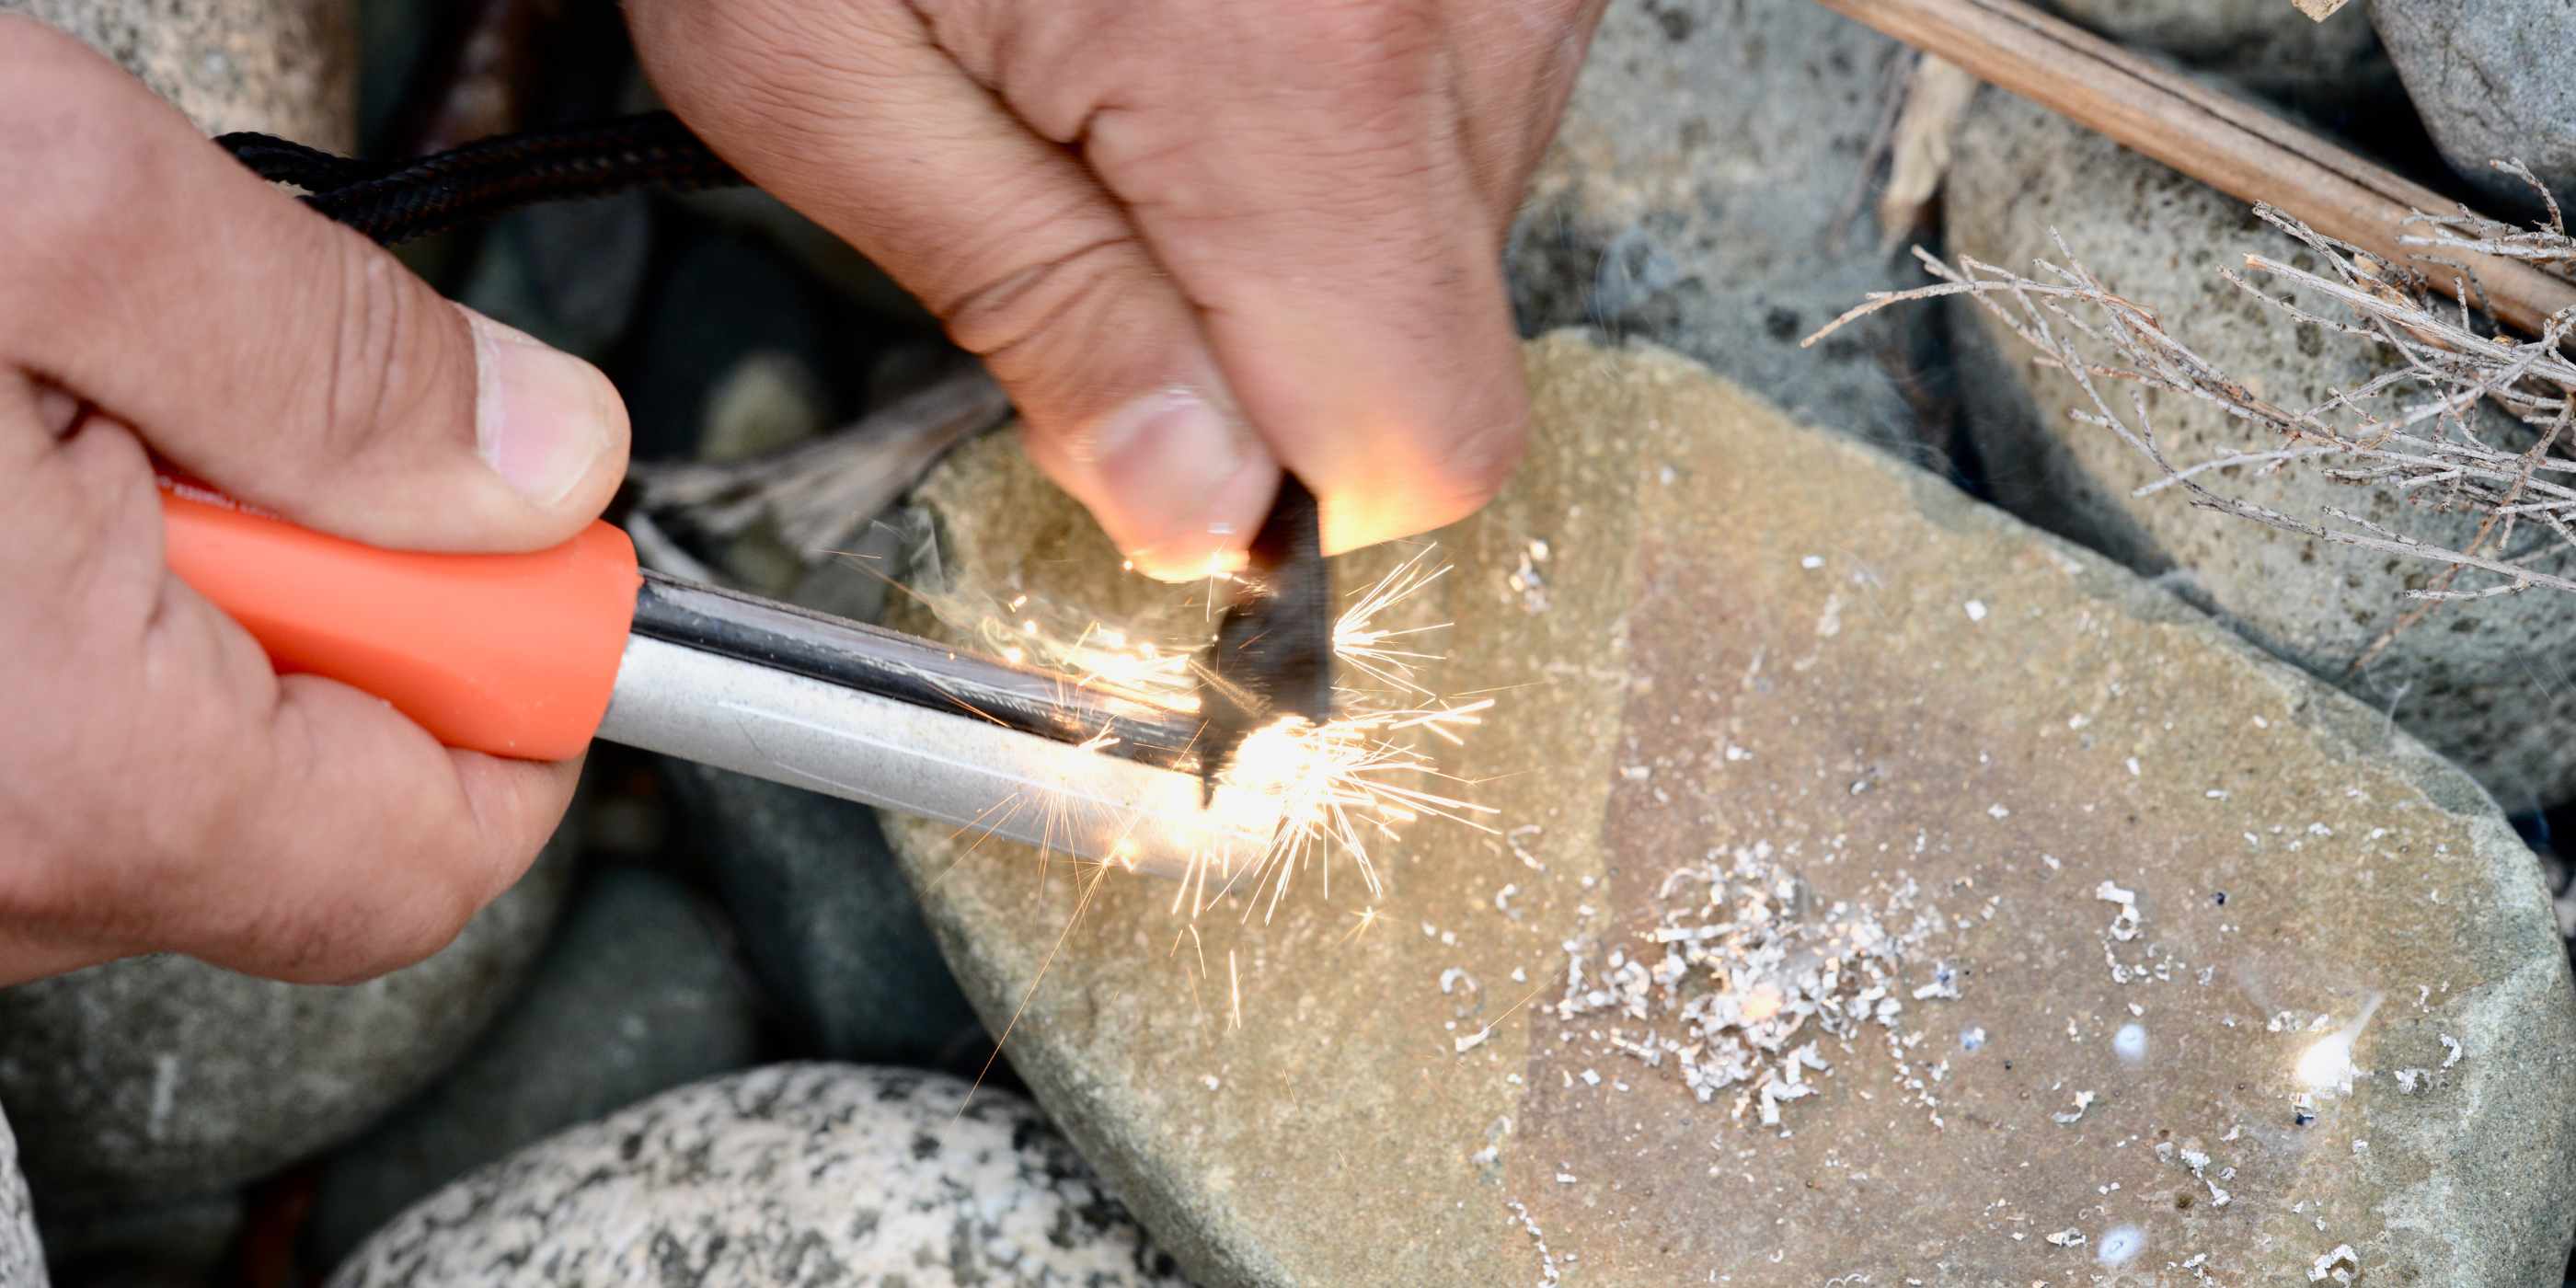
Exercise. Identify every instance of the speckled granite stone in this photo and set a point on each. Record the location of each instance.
(283, 67)
(804, 1175)
(22, 1256)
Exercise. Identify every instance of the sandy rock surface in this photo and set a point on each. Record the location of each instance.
(2017, 922)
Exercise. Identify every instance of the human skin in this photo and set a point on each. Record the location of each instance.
(1200, 241)
(161, 787)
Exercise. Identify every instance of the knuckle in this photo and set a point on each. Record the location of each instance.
(1373, 54)
(379, 363)
(1481, 460)
(39, 888)
(1017, 316)
(1362, 32)
(765, 64)
(71, 171)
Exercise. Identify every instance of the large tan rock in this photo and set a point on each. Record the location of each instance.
(2169, 881)
(282, 67)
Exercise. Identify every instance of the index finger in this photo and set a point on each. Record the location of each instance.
(1330, 226)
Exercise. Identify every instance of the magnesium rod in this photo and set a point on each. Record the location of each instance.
(984, 777)
(2223, 141)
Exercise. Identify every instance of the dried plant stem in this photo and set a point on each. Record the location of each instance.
(815, 493)
(2228, 143)
(2422, 429)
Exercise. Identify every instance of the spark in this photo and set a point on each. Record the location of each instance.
(1361, 644)
(1044, 965)
(1343, 786)
(2328, 1062)
(1334, 796)
(1470, 1042)
(1342, 790)
(1367, 917)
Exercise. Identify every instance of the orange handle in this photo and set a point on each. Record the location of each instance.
(515, 655)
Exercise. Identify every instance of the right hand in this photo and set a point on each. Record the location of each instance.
(1199, 241)
(161, 787)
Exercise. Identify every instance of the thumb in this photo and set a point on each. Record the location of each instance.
(333, 386)
(1001, 232)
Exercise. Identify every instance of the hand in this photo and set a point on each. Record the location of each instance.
(1197, 239)
(161, 788)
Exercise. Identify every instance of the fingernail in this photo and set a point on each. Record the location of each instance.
(1190, 479)
(542, 417)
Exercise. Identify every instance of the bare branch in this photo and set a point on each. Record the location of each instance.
(815, 493)
(2424, 429)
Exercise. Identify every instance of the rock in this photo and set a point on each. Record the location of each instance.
(769, 401)
(1937, 749)
(2494, 80)
(818, 252)
(160, 1078)
(828, 925)
(183, 1242)
(638, 994)
(2266, 45)
(568, 273)
(1707, 190)
(726, 297)
(282, 67)
(22, 1253)
(2479, 680)
(795, 1174)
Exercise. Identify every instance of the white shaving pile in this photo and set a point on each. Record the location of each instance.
(1742, 979)
(2340, 1265)
(1547, 1271)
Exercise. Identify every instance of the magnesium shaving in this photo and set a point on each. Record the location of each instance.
(1744, 978)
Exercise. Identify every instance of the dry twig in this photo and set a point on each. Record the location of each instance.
(2229, 143)
(2464, 230)
(2418, 430)
(1937, 94)
(814, 494)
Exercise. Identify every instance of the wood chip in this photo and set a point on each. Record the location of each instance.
(1936, 95)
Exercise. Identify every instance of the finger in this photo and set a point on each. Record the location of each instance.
(294, 829)
(864, 125)
(1517, 61)
(1348, 269)
(374, 845)
(269, 351)
(1323, 215)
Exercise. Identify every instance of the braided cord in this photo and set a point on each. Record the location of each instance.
(396, 202)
